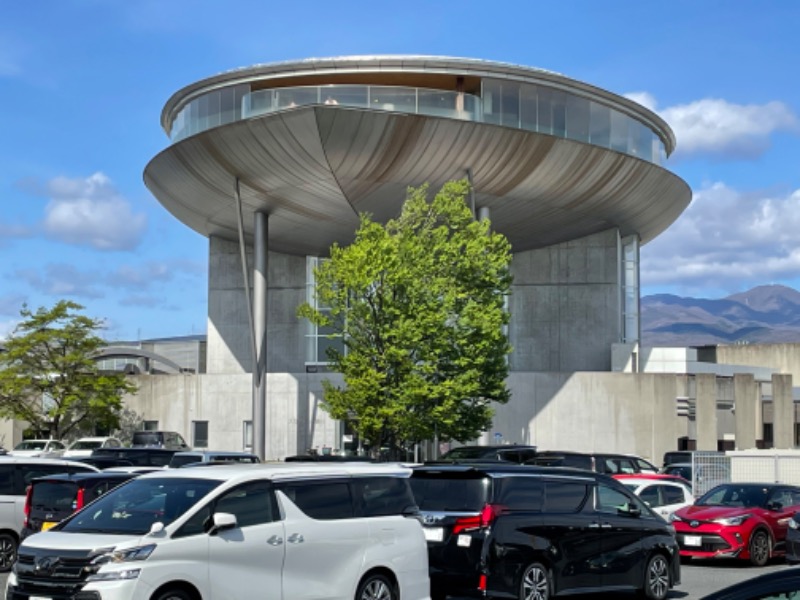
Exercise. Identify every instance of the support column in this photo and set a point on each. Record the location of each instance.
(706, 411)
(746, 403)
(260, 252)
(782, 411)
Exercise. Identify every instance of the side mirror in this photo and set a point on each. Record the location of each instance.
(223, 521)
(630, 510)
(774, 506)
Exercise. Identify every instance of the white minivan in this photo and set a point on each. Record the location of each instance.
(286, 531)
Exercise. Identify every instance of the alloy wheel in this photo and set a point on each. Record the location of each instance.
(657, 584)
(535, 583)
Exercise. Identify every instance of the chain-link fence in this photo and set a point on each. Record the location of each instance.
(708, 469)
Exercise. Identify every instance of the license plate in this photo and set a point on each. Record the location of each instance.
(434, 534)
(47, 525)
(693, 540)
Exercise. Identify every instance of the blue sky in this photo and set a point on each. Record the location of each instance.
(83, 82)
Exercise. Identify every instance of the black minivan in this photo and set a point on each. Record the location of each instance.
(511, 531)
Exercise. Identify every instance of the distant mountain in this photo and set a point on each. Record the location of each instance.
(765, 314)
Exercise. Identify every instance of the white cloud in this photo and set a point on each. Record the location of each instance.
(62, 280)
(91, 212)
(727, 240)
(715, 126)
(7, 328)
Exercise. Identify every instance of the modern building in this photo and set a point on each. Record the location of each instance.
(274, 163)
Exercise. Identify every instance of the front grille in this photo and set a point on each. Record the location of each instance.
(52, 574)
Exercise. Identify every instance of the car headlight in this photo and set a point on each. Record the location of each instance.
(733, 520)
(793, 524)
(125, 555)
(673, 517)
(115, 575)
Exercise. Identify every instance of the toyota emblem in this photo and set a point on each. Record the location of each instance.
(45, 565)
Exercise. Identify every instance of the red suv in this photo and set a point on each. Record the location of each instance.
(742, 520)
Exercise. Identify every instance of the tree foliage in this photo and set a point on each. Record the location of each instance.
(420, 307)
(48, 376)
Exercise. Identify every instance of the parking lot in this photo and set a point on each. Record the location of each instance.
(699, 579)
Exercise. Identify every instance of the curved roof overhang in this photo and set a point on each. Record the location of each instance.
(384, 70)
(314, 169)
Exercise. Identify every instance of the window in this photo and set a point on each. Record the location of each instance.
(564, 497)
(247, 435)
(672, 494)
(6, 479)
(200, 434)
(651, 496)
(521, 493)
(318, 339)
(150, 425)
(381, 496)
(325, 501)
(252, 503)
(629, 289)
(610, 500)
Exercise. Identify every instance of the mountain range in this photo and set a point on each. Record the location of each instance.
(764, 314)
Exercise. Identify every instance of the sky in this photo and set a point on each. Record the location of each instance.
(83, 83)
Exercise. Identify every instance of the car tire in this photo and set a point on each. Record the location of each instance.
(656, 578)
(376, 587)
(535, 583)
(174, 594)
(760, 548)
(8, 552)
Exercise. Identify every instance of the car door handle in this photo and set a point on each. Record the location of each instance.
(594, 525)
(275, 541)
(296, 538)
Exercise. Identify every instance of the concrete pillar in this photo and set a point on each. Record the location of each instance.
(706, 411)
(782, 411)
(746, 405)
(260, 254)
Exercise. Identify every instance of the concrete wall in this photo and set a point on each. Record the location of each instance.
(564, 306)
(579, 411)
(783, 357)
(228, 325)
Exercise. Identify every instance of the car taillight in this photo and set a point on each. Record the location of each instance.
(481, 521)
(79, 499)
(27, 508)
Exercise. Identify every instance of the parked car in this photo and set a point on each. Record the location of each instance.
(701, 476)
(601, 462)
(778, 585)
(513, 531)
(52, 498)
(170, 440)
(738, 520)
(84, 446)
(39, 448)
(509, 452)
(311, 531)
(16, 473)
(104, 458)
(677, 456)
(663, 494)
(793, 540)
(180, 459)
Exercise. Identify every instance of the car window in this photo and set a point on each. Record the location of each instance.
(651, 496)
(781, 496)
(610, 500)
(672, 494)
(381, 496)
(28, 471)
(438, 492)
(565, 496)
(54, 496)
(6, 479)
(323, 500)
(521, 493)
(643, 465)
(252, 503)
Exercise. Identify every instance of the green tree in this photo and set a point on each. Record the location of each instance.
(48, 376)
(419, 305)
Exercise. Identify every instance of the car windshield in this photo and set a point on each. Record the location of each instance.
(744, 496)
(85, 445)
(31, 445)
(147, 439)
(134, 507)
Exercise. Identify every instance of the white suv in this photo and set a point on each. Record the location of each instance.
(291, 531)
